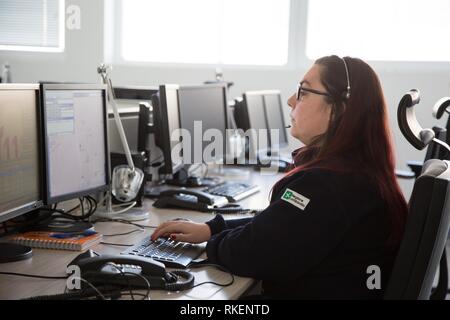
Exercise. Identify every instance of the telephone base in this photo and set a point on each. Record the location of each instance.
(130, 215)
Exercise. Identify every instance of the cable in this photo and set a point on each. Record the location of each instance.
(123, 274)
(33, 276)
(82, 206)
(124, 222)
(221, 268)
(128, 282)
(92, 286)
(124, 233)
(147, 295)
(116, 244)
(110, 291)
(84, 216)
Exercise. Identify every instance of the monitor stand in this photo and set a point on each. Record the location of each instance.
(10, 252)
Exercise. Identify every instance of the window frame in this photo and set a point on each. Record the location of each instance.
(113, 43)
(297, 58)
(384, 66)
(61, 38)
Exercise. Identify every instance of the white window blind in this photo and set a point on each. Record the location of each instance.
(32, 25)
(385, 30)
(250, 32)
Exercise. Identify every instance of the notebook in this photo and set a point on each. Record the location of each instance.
(58, 240)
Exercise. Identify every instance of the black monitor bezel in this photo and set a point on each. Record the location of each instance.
(163, 134)
(33, 205)
(284, 143)
(140, 93)
(48, 200)
(224, 88)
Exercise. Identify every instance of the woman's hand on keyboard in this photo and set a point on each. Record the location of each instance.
(184, 231)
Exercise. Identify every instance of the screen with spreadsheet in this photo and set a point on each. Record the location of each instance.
(76, 150)
(19, 150)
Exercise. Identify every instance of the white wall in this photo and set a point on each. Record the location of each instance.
(84, 51)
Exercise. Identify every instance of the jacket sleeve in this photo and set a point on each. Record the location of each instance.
(284, 238)
(218, 224)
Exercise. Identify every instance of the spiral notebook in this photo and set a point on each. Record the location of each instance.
(58, 240)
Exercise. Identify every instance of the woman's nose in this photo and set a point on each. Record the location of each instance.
(292, 101)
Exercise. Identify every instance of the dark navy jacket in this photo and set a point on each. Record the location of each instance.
(321, 250)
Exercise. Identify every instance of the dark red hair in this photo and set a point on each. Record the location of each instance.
(358, 131)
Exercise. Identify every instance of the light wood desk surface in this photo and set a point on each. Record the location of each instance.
(54, 262)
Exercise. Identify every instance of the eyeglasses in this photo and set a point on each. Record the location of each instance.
(301, 90)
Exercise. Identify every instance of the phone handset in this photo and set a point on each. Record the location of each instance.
(190, 199)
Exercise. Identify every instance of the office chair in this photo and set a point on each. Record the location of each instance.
(427, 226)
(425, 236)
(434, 151)
(419, 137)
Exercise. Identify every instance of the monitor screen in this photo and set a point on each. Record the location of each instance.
(275, 118)
(20, 179)
(165, 105)
(206, 105)
(75, 136)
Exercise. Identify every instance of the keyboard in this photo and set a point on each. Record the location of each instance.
(172, 253)
(233, 191)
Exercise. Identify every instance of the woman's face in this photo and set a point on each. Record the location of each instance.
(310, 113)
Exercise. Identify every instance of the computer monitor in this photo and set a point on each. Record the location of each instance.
(254, 119)
(130, 123)
(20, 165)
(75, 140)
(208, 105)
(167, 125)
(136, 93)
(275, 119)
(262, 110)
(136, 113)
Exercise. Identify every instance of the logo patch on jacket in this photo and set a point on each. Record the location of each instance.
(295, 199)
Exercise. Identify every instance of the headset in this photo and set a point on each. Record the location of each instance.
(346, 94)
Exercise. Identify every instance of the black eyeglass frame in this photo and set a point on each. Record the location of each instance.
(300, 88)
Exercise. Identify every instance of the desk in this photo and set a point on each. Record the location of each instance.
(54, 262)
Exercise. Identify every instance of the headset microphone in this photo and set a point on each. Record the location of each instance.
(287, 127)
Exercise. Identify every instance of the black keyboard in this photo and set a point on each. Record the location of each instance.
(172, 253)
(233, 191)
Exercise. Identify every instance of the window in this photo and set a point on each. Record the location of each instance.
(250, 32)
(400, 30)
(32, 25)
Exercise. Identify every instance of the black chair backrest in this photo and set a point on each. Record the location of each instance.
(435, 150)
(425, 235)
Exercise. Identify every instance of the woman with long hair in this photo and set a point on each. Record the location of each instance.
(337, 213)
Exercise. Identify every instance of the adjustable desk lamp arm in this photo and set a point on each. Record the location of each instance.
(103, 71)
